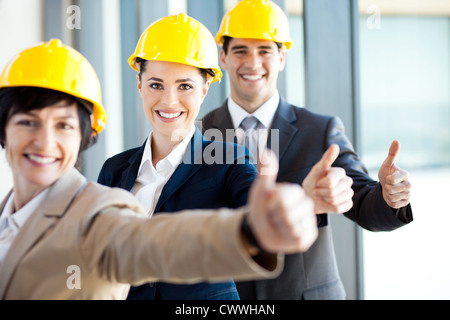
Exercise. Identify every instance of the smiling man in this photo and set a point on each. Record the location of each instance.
(313, 151)
(253, 67)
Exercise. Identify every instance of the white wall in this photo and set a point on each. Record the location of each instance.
(21, 26)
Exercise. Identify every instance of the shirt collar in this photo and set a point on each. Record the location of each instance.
(18, 218)
(173, 159)
(264, 113)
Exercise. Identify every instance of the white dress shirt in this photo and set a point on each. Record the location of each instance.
(11, 222)
(265, 114)
(150, 180)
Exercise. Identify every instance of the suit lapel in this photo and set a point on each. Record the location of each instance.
(3, 204)
(129, 175)
(222, 121)
(283, 123)
(191, 163)
(53, 206)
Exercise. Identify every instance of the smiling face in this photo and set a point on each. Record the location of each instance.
(253, 66)
(42, 145)
(172, 94)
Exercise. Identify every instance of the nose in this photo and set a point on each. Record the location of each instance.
(169, 97)
(44, 137)
(254, 61)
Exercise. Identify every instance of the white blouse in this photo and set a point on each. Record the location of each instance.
(150, 180)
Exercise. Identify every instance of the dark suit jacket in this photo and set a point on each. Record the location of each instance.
(303, 138)
(211, 175)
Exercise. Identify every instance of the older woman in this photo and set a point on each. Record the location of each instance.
(64, 238)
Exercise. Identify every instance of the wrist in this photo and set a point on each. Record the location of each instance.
(249, 240)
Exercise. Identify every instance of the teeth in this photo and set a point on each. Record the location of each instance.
(41, 160)
(169, 115)
(251, 77)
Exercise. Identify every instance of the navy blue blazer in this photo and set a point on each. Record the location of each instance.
(211, 175)
(303, 138)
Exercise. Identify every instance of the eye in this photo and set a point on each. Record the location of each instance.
(27, 123)
(156, 86)
(185, 86)
(264, 52)
(65, 126)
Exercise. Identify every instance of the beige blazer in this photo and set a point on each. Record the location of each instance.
(87, 242)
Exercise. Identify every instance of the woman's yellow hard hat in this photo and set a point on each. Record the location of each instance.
(255, 19)
(53, 65)
(181, 39)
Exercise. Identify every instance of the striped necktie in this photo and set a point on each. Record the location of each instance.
(250, 137)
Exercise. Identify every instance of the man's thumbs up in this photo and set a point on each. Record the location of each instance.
(394, 181)
(394, 150)
(329, 187)
(321, 168)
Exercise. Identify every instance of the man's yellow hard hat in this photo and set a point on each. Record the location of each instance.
(181, 39)
(255, 19)
(53, 65)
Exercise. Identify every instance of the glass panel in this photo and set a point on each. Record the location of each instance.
(405, 95)
(295, 66)
(177, 6)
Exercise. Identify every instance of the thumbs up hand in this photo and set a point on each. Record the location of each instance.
(329, 187)
(394, 181)
(281, 215)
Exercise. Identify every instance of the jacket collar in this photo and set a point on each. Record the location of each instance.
(222, 121)
(130, 172)
(54, 206)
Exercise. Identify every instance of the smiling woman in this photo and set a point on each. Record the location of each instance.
(173, 79)
(172, 94)
(43, 140)
(28, 99)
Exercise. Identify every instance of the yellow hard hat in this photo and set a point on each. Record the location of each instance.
(53, 65)
(181, 39)
(255, 19)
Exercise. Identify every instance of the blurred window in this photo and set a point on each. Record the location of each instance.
(405, 95)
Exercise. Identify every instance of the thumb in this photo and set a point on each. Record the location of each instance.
(268, 169)
(393, 152)
(329, 157)
(327, 160)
